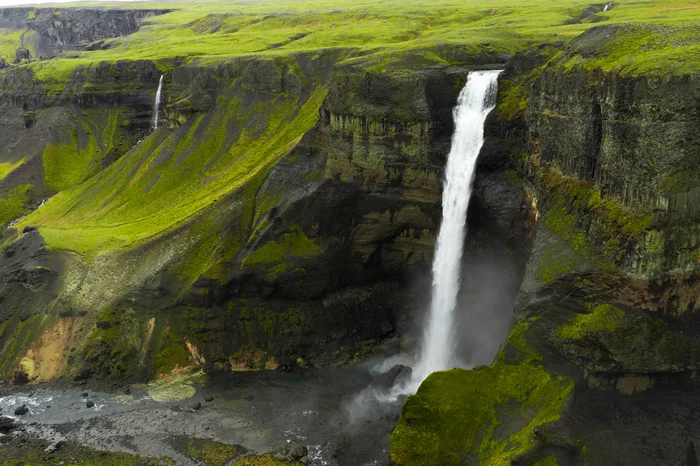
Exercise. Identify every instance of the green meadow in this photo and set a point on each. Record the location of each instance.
(139, 198)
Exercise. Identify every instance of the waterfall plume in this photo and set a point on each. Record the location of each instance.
(476, 100)
(156, 105)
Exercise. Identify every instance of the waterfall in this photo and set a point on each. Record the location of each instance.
(156, 105)
(475, 102)
(607, 7)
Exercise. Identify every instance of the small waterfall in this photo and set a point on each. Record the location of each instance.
(156, 105)
(607, 7)
(476, 101)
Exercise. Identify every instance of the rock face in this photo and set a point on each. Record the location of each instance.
(608, 302)
(303, 245)
(60, 30)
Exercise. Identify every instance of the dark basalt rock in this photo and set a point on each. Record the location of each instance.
(21, 410)
(21, 55)
(396, 375)
(90, 404)
(7, 424)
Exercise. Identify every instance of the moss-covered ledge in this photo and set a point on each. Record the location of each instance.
(487, 415)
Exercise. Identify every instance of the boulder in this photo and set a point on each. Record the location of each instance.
(7, 424)
(297, 451)
(22, 54)
(90, 404)
(21, 410)
(395, 375)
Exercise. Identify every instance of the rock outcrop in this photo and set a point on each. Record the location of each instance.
(56, 30)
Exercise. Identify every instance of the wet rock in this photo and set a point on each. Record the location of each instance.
(209, 399)
(90, 404)
(20, 378)
(5, 439)
(21, 410)
(297, 451)
(7, 424)
(84, 394)
(248, 397)
(394, 376)
(28, 229)
(127, 391)
(196, 406)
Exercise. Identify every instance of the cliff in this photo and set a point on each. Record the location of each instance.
(605, 335)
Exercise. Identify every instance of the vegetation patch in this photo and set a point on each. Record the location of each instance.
(164, 183)
(600, 230)
(90, 141)
(666, 46)
(7, 167)
(458, 412)
(14, 205)
(607, 339)
(603, 318)
(212, 453)
(294, 244)
(28, 452)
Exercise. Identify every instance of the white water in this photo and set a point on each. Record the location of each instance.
(475, 102)
(156, 106)
(607, 7)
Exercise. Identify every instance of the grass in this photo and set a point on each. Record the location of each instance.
(170, 178)
(380, 34)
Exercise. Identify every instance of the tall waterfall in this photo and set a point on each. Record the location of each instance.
(156, 105)
(475, 102)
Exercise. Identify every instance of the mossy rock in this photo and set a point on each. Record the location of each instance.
(468, 415)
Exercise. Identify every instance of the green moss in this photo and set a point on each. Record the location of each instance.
(14, 205)
(548, 461)
(599, 230)
(294, 244)
(604, 318)
(457, 412)
(17, 336)
(608, 339)
(7, 168)
(212, 453)
(70, 163)
(171, 353)
(512, 99)
(113, 346)
(29, 452)
(555, 262)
